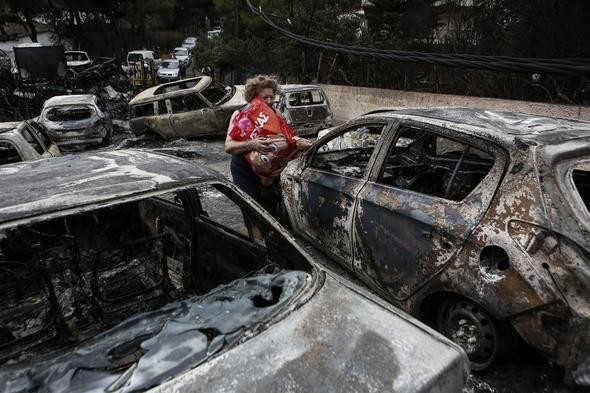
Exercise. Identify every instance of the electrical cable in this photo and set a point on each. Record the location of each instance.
(563, 66)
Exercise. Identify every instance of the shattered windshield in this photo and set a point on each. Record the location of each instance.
(125, 297)
(136, 355)
(217, 93)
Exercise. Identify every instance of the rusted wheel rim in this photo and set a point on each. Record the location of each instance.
(471, 327)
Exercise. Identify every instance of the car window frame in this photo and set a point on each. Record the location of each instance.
(501, 157)
(16, 147)
(385, 133)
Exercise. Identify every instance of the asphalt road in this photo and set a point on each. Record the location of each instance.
(529, 372)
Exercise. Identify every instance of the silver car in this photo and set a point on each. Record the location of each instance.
(168, 71)
(77, 121)
(124, 271)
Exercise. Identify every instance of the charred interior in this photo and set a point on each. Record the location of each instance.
(67, 279)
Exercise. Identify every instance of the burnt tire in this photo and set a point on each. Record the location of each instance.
(483, 338)
(107, 140)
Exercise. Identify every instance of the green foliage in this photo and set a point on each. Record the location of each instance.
(539, 28)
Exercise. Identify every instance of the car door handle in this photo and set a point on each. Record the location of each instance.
(427, 235)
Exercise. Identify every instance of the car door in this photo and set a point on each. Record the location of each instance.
(327, 186)
(191, 116)
(430, 189)
(162, 124)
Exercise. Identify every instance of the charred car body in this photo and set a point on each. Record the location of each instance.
(77, 59)
(305, 107)
(126, 270)
(24, 141)
(187, 108)
(475, 221)
(77, 121)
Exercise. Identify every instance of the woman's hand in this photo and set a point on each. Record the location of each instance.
(260, 144)
(303, 144)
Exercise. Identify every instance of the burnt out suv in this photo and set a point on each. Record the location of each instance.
(475, 221)
(305, 107)
(126, 270)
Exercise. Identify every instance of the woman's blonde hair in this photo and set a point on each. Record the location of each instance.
(258, 83)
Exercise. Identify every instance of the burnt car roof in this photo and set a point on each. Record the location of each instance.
(501, 125)
(290, 88)
(71, 100)
(29, 189)
(159, 91)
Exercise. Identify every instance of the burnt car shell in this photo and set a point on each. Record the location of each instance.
(24, 141)
(77, 121)
(188, 108)
(457, 215)
(305, 107)
(134, 277)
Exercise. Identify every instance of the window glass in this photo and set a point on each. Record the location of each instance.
(142, 110)
(8, 153)
(180, 52)
(33, 141)
(348, 153)
(186, 103)
(431, 164)
(217, 207)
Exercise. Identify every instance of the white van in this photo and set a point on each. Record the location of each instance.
(135, 56)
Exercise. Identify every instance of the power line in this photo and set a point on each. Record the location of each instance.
(565, 66)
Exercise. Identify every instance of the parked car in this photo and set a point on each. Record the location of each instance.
(169, 70)
(136, 56)
(77, 59)
(187, 108)
(128, 270)
(190, 43)
(305, 107)
(183, 55)
(476, 221)
(24, 141)
(77, 121)
(214, 32)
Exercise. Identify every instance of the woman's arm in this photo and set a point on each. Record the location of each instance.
(239, 147)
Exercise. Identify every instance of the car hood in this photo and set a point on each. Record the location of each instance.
(339, 336)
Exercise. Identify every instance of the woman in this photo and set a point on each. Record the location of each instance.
(261, 143)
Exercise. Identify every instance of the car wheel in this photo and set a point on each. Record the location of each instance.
(469, 325)
(107, 140)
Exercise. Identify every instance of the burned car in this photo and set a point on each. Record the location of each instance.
(24, 141)
(305, 107)
(475, 221)
(77, 121)
(128, 270)
(187, 108)
(77, 59)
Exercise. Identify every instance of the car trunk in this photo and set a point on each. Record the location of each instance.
(104, 297)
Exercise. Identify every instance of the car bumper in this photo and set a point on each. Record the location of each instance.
(72, 139)
(338, 341)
